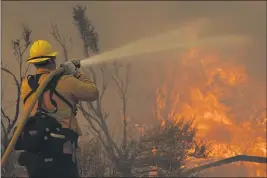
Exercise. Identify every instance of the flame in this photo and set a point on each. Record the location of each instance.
(227, 104)
(154, 150)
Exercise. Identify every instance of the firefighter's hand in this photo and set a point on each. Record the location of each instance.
(71, 67)
(77, 63)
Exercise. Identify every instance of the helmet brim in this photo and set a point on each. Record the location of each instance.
(40, 60)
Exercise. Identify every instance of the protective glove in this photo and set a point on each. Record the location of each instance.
(71, 67)
(77, 63)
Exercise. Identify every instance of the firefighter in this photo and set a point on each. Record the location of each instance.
(56, 105)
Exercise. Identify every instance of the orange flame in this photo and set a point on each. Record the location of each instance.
(228, 106)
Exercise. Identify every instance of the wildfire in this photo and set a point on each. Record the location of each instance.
(227, 104)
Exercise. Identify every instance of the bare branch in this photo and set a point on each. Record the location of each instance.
(18, 85)
(89, 116)
(71, 43)
(102, 125)
(26, 70)
(61, 40)
(16, 46)
(127, 73)
(104, 85)
(5, 116)
(254, 159)
(101, 115)
(4, 129)
(122, 87)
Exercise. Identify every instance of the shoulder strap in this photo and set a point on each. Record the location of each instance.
(52, 88)
(40, 104)
(33, 83)
(66, 101)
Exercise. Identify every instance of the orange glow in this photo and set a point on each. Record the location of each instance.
(227, 104)
(154, 150)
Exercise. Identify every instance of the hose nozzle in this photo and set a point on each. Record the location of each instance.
(71, 67)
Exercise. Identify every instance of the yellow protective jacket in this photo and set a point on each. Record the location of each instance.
(72, 88)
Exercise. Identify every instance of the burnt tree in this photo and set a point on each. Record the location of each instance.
(94, 112)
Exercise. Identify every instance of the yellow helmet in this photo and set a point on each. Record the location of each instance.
(41, 51)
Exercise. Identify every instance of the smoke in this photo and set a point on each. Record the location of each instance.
(187, 36)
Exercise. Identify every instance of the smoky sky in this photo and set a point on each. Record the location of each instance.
(120, 22)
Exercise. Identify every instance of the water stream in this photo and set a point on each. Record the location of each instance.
(170, 40)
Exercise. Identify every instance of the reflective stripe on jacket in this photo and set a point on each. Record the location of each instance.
(72, 88)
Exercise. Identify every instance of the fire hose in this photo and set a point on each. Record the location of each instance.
(24, 118)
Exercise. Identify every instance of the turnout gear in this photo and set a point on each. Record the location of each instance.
(61, 166)
(41, 51)
(42, 133)
(72, 88)
(49, 138)
(43, 138)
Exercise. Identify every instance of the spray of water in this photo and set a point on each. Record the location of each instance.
(171, 40)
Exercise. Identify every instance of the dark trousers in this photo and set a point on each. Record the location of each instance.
(60, 166)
